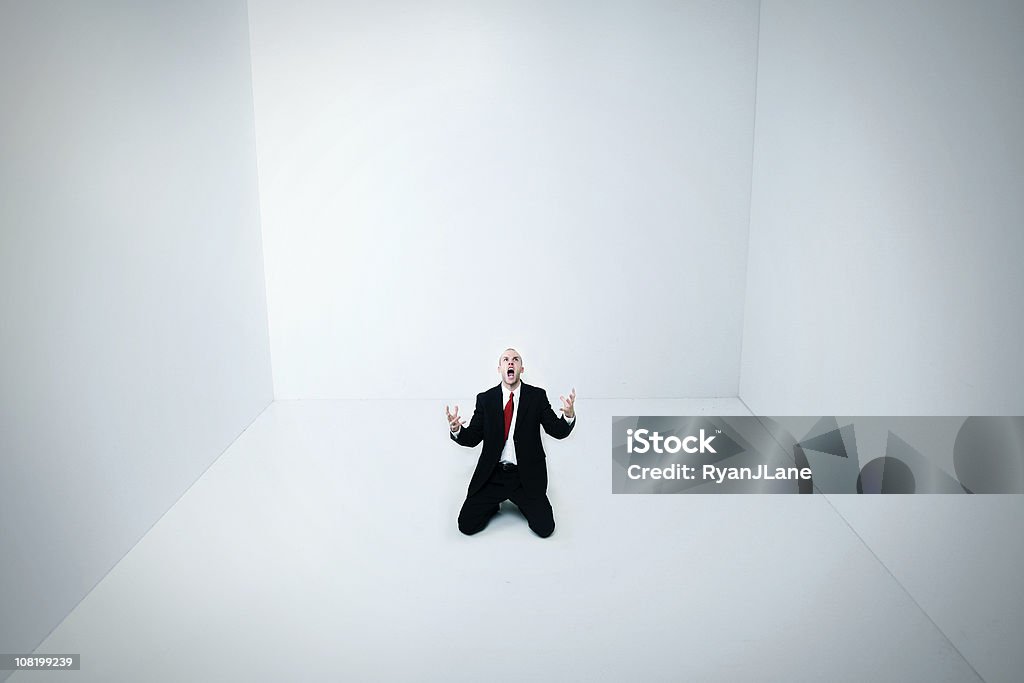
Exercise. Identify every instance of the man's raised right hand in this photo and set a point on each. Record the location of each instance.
(454, 421)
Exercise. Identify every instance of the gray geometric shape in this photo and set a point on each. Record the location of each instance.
(928, 477)
(989, 455)
(832, 442)
(886, 475)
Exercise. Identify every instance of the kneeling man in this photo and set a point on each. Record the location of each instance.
(508, 418)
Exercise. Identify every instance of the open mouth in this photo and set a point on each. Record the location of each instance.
(511, 373)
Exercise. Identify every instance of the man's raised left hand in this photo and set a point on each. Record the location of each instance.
(567, 408)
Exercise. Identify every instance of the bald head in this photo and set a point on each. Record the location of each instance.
(510, 367)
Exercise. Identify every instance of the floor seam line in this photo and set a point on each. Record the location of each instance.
(904, 588)
(760, 419)
(151, 526)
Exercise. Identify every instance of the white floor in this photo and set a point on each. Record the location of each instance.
(322, 546)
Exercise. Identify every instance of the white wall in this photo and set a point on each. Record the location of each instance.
(134, 344)
(885, 267)
(886, 215)
(441, 180)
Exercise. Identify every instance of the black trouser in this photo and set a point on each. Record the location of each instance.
(504, 484)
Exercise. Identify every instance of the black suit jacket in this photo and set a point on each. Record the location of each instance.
(488, 425)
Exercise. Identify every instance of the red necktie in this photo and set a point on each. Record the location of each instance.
(508, 415)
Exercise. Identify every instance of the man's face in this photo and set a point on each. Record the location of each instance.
(510, 367)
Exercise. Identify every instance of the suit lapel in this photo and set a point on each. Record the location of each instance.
(497, 407)
(521, 408)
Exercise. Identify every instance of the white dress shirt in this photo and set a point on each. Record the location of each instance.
(508, 453)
